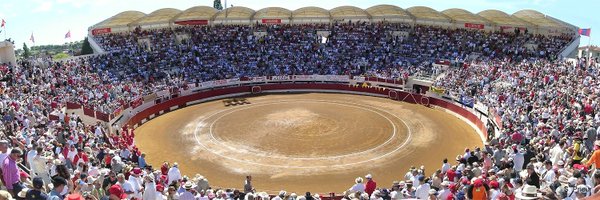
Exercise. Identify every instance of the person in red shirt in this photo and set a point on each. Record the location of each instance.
(108, 159)
(81, 156)
(164, 168)
(370, 185)
(451, 173)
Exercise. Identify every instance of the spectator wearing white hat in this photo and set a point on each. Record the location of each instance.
(187, 195)
(444, 192)
(528, 192)
(174, 174)
(150, 191)
(358, 185)
(376, 195)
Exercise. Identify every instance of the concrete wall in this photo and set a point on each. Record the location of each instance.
(7, 53)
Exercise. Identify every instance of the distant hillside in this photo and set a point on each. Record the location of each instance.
(70, 49)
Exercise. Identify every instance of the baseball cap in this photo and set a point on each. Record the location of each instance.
(38, 182)
(23, 174)
(117, 191)
(160, 188)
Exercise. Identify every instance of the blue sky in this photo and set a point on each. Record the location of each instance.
(50, 20)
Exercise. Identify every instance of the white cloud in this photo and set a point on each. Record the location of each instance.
(74, 3)
(43, 6)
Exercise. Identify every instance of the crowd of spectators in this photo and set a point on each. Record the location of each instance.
(548, 107)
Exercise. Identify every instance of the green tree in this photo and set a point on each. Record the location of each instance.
(86, 48)
(217, 5)
(60, 56)
(26, 52)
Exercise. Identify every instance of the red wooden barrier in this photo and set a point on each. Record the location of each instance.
(53, 117)
(71, 105)
(402, 96)
(89, 112)
(102, 116)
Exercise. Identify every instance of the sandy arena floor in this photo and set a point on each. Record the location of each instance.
(304, 142)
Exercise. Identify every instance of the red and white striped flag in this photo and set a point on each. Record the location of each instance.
(68, 35)
(31, 38)
(3, 22)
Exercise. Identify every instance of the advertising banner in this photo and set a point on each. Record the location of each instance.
(475, 26)
(271, 21)
(99, 31)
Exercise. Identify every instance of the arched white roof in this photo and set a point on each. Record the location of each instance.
(273, 12)
(236, 12)
(427, 13)
(157, 17)
(121, 19)
(348, 12)
(196, 13)
(310, 12)
(462, 15)
(387, 11)
(536, 18)
(501, 18)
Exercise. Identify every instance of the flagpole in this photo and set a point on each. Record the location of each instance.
(589, 48)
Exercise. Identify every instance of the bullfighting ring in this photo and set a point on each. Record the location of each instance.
(304, 142)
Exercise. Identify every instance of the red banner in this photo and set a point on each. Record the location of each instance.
(475, 26)
(271, 21)
(99, 31)
(192, 22)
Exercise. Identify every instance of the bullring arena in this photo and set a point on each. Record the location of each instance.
(305, 101)
(279, 139)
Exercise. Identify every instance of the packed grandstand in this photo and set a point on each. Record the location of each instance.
(543, 144)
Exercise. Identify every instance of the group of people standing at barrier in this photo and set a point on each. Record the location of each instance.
(544, 105)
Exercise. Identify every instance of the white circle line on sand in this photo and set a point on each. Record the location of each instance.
(313, 166)
(394, 131)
